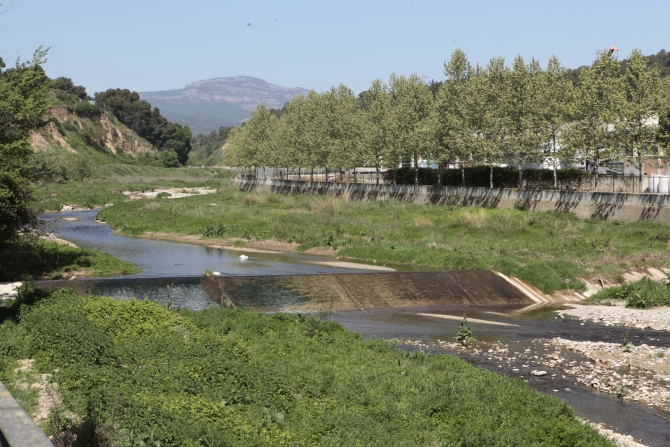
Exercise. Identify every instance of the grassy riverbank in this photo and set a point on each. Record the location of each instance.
(136, 373)
(549, 249)
(40, 259)
(109, 180)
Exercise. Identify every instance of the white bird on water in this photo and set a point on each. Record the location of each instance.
(244, 257)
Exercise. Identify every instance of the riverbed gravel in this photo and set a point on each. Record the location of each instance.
(657, 318)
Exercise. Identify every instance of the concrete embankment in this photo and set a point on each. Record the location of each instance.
(626, 207)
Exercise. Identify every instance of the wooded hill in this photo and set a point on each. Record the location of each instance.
(118, 128)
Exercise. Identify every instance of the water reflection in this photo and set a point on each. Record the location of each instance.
(161, 258)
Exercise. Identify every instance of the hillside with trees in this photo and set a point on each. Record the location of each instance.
(115, 127)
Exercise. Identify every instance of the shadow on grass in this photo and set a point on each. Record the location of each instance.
(38, 259)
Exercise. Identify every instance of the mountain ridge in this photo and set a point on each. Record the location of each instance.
(209, 104)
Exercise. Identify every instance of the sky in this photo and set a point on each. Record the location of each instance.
(155, 45)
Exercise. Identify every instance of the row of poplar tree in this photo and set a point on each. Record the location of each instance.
(491, 115)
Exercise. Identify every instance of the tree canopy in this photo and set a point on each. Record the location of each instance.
(514, 115)
(23, 106)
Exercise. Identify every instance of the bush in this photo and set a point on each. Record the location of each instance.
(168, 159)
(640, 294)
(61, 333)
(86, 109)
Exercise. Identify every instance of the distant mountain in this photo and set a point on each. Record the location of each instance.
(207, 105)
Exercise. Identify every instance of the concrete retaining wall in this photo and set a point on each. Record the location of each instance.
(626, 207)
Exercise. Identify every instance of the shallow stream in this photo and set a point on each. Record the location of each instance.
(163, 258)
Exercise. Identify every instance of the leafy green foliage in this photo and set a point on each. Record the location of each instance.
(151, 376)
(23, 104)
(206, 147)
(639, 294)
(464, 334)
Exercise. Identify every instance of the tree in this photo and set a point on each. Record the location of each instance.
(555, 105)
(642, 104)
(344, 126)
(254, 144)
(377, 121)
(598, 107)
(451, 115)
(496, 86)
(23, 106)
(524, 113)
(411, 103)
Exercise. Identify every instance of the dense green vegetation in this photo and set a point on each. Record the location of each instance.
(495, 115)
(549, 249)
(23, 104)
(39, 259)
(640, 294)
(135, 373)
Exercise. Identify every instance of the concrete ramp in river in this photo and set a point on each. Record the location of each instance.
(364, 290)
(314, 292)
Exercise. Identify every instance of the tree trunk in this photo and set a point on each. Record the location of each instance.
(520, 177)
(639, 156)
(416, 168)
(311, 175)
(378, 174)
(326, 171)
(395, 175)
(439, 176)
(596, 167)
(491, 177)
(355, 178)
(554, 150)
(462, 175)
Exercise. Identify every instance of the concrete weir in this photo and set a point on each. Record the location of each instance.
(304, 293)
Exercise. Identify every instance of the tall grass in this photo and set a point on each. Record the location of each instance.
(552, 250)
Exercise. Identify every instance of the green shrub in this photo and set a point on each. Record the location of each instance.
(61, 333)
(168, 159)
(640, 294)
(86, 109)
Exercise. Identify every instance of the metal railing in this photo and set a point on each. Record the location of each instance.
(17, 428)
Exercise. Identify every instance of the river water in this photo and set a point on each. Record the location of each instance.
(162, 260)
